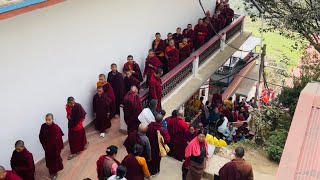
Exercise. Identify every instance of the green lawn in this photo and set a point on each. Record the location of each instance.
(277, 45)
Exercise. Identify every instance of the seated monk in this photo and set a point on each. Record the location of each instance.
(200, 32)
(129, 81)
(158, 47)
(115, 78)
(132, 66)
(172, 55)
(132, 107)
(22, 161)
(184, 49)
(137, 168)
(139, 137)
(228, 13)
(177, 36)
(102, 109)
(109, 91)
(189, 34)
(177, 128)
(51, 140)
(152, 63)
(77, 134)
(8, 175)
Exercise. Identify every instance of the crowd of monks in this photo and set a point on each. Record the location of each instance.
(117, 90)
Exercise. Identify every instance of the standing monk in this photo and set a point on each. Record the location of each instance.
(177, 36)
(133, 67)
(129, 81)
(109, 91)
(155, 89)
(22, 161)
(116, 80)
(102, 110)
(169, 37)
(153, 127)
(228, 14)
(159, 46)
(172, 55)
(200, 32)
(51, 140)
(152, 63)
(8, 175)
(77, 134)
(184, 49)
(132, 107)
(189, 34)
(177, 128)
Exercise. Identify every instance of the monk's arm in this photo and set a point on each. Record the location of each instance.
(148, 146)
(144, 165)
(166, 136)
(28, 166)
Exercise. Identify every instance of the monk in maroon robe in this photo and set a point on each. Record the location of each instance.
(8, 175)
(132, 107)
(210, 28)
(190, 134)
(184, 50)
(109, 91)
(177, 37)
(51, 140)
(155, 89)
(189, 34)
(132, 66)
(116, 80)
(172, 55)
(169, 37)
(129, 81)
(77, 134)
(102, 109)
(22, 161)
(228, 14)
(218, 21)
(159, 46)
(152, 63)
(177, 128)
(201, 33)
(153, 127)
(216, 98)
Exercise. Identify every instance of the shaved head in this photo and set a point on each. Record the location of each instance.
(2, 170)
(19, 143)
(181, 113)
(143, 128)
(159, 117)
(134, 89)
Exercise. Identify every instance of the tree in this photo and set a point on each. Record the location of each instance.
(295, 19)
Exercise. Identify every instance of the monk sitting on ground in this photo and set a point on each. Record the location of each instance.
(172, 55)
(22, 161)
(133, 67)
(51, 140)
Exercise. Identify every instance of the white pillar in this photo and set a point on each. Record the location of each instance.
(195, 67)
(223, 42)
(123, 125)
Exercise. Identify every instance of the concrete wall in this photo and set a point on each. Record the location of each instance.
(50, 54)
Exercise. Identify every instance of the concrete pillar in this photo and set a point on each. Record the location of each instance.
(222, 42)
(195, 66)
(123, 125)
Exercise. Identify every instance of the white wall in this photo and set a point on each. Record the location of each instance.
(50, 54)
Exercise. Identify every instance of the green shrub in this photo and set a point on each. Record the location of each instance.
(276, 143)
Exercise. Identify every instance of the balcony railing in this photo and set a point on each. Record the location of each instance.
(190, 66)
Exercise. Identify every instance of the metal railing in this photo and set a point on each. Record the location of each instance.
(190, 66)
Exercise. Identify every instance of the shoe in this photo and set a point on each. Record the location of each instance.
(102, 135)
(71, 157)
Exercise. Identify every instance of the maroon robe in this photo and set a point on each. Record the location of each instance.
(177, 38)
(134, 169)
(11, 175)
(100, 164)
(177, 129)
(228, 14)
(132, 139)
(51, 141)
(200, 38)
(77, 134)
(172, 57)
(116, 81)
(216, 98)
(227, 113)
(102, 108)
(188, 136)
(133, 67)
(160, 48)
(22, 163)
(230, 172)
(131, 81)
(184, 51)
(132, 107)
(155, 90)
(149, 71)
(190, 36)
(110, 93)
(153, 127)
